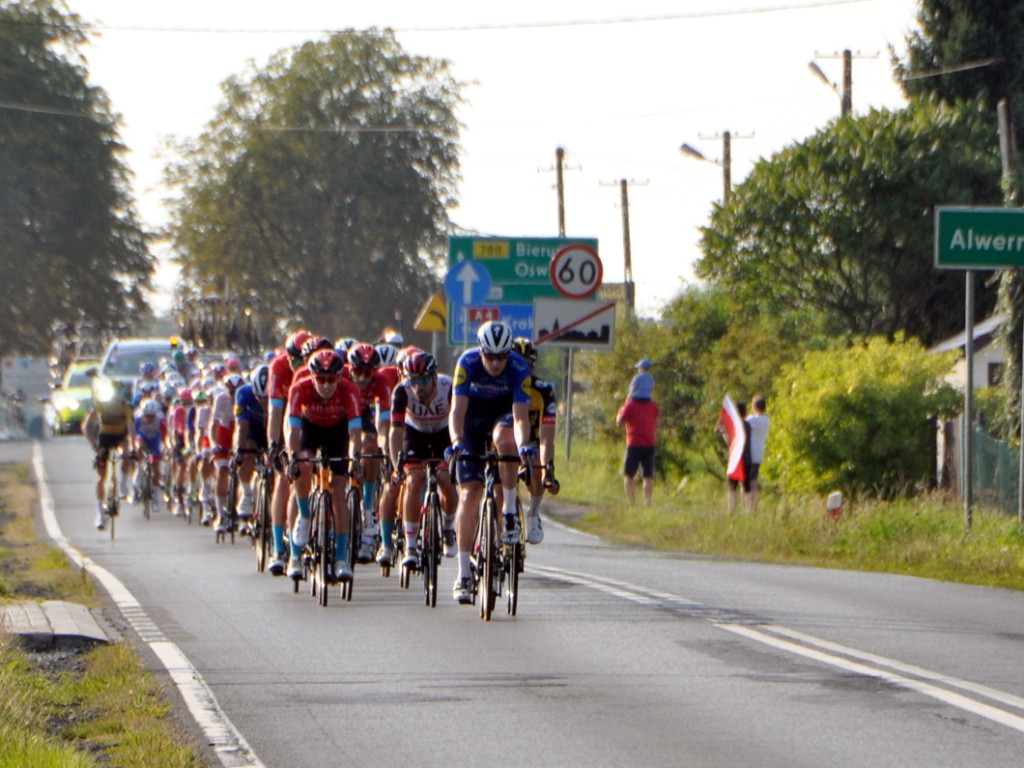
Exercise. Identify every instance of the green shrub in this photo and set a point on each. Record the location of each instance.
(858, 418)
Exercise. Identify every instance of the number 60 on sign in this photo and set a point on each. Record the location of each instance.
(576, 271)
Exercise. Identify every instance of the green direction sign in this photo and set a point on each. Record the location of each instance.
(519, 267)
(979, 238)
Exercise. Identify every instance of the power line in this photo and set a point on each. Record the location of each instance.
(100, 27)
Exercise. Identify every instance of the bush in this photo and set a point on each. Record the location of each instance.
(858, 418)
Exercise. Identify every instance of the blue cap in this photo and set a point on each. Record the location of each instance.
(645, 363)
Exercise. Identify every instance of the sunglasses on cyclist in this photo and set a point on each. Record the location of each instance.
(420, 381)
(492, 356)
(326, 378)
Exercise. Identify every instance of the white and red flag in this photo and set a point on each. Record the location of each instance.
(736, 435)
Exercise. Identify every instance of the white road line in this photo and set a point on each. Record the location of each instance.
(948, 697)
(802, 644)
(230, 746)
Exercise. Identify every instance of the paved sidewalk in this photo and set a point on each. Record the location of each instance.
(51, 624)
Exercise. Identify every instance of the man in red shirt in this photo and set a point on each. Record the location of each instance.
(324, 415)
(640, 418)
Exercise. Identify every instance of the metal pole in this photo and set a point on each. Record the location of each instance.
(968, 433)
(559, 160)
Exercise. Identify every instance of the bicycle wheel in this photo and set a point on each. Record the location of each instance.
(325, 545)
(430, 551)
(232, 503)
(146, 487)
(112, 501)
(261, 536)
(353, 504)
(489, 555)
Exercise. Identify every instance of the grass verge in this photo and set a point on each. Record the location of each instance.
(72, 708)
(924, 536)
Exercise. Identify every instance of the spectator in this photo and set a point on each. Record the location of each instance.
(640, 418)
(758, 436)
(734, 419)
(642, 385)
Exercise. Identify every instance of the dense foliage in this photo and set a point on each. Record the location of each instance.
(72, 248)
(320, 190)
(858, 418)
(841, 224)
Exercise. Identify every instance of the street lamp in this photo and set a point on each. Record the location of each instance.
(845, 95)
(725, 162)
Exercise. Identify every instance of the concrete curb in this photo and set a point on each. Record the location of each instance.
(51, 624)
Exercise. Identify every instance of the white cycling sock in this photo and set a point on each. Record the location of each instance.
(535, 504)
(465, 565)
(509, 502)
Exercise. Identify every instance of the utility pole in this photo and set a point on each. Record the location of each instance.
(559, 168)
(846, 94)
(627, 250)
(567, 360)
(725, 162)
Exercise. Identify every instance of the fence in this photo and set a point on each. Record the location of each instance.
(996, 467)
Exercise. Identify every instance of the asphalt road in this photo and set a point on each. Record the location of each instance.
(618, 656)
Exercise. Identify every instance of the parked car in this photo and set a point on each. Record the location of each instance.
(70, 399)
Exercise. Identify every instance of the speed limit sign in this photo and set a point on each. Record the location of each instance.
(576, 271)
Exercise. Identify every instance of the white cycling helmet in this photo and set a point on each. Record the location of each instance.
(388, 354)
(260, 377)
(151, 408)
(495, 338)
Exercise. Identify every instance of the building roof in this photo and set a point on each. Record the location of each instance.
(983, 333)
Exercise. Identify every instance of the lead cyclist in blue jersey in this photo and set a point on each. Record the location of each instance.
(490, 382)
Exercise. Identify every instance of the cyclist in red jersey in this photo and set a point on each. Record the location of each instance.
(279, 380)
(324, 415)
(363, 370)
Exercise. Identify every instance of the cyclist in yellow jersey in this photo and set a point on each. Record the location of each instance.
(543, 412)
(110, 424)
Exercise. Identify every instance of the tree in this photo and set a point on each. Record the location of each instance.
(985, 36)
(72, 248)
(842, 223)
(857, 418)
(319, 191)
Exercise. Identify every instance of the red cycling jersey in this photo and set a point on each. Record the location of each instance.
(376, 392)
(281, 375)
(341, 407)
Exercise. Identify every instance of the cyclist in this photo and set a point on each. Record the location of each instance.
(419, 429)
(250, 434)
(543, 412)
(150, 433)
(203, 456)
(110, 424)
(324, 414)
(222, 435)
(490, 381)
(181, 443)
(375, 400)
(281, 371)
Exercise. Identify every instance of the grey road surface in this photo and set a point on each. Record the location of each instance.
(618, 656)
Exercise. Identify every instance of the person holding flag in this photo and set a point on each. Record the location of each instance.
(733, 426)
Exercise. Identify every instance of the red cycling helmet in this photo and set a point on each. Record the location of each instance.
(364, 356)
(326, 362)
(315, 344)
(419, 364)
(293, 346)
(185, 396)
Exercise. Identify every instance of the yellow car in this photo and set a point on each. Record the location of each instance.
(70, 400)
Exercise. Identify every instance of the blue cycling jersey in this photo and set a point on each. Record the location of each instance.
(493, 395)
(249, 408)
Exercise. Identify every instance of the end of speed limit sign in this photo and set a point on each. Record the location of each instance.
(576, 271)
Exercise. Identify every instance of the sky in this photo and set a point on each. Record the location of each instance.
(620, 86)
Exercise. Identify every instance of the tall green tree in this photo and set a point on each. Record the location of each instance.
(978, 45)
(841, 224)
(72, 247)
(320, 189)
